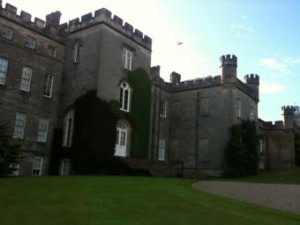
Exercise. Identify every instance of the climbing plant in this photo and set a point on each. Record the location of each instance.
(241, 156)
(8, 151)
(140, 112)
(94, 133)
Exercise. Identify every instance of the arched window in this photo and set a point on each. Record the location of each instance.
(76, 51)
(125, 96)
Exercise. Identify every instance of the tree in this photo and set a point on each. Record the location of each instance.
(8, 151)
(297, 149)
(242, 150)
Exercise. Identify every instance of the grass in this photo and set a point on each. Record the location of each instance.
(286, 176)
(92, 200)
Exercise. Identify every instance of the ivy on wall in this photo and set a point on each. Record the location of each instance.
(241, 156)
(94, 133)
(140, 112)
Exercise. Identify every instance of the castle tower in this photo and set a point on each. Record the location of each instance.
(175, 78)
(288, 114)
(53, 19)
(228, 65)
(252, 80)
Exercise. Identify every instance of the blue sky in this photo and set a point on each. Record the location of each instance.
(263, 34)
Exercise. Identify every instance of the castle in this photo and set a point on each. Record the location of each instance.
(45, 67)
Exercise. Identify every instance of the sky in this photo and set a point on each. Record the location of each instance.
(263, 34)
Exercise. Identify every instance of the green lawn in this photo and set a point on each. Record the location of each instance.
(123, 200)
(286, 176)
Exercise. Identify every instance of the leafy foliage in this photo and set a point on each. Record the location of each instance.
(242, 150)
(140, 112)
(94, 133)
(8, 151)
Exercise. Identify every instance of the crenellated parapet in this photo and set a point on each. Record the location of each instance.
(289, 110)
(252, 79)
(49, 28)
(228, 60)
(105, 16)
(269, 125)
(190, 84)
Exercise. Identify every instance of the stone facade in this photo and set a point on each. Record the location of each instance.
(189, 119)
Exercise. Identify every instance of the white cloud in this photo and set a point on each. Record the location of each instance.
(242, 30)
(280, 69)
(270, 88)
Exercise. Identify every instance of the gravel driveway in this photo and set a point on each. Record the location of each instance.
(278, 196)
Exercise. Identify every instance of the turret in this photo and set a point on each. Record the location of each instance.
(229, 68)
(53, 19)
(252, 80)
(288, 114)
(175, 78)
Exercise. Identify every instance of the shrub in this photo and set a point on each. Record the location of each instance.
(8, 151)
(241, 156)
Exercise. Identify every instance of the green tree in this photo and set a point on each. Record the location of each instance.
(8, 151)
(241, 157)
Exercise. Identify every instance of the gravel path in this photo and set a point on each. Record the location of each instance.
(278, 196)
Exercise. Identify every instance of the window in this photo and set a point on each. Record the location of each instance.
(3, 70)
(251, 115)
(161, 150)
(29, 42)
(203, 150)
(15, 168)
(48, 84)
(43, 130)
(127, 59)
(125, 96)
(19, 125)
(163, 108)
(76, 52)
(37, 166)
(121, 139)
(26, 79)
(65, 167)
(238, 108)
(52, 51)
(68, 129)
(6, 33)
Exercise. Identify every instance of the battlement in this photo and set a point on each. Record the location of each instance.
(277, 125)
(190, 84)
(252, 79)
(289, 110)
(105, 16)
(38, 25)
(228, 60)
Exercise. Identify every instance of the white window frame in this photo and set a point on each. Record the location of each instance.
(3, 70)
(163, 108)
(52, 51)
(48, 85)
(43, 130)
(26, 79)
(20, 124)
(15, 169)
(161, 150)
(251, 115)
(37, 166)
(127, 59)
(30, 42)
(125, 97)
(76, 51)
(65, 167)
(68, 129)
(6, 32)
(238, 108)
